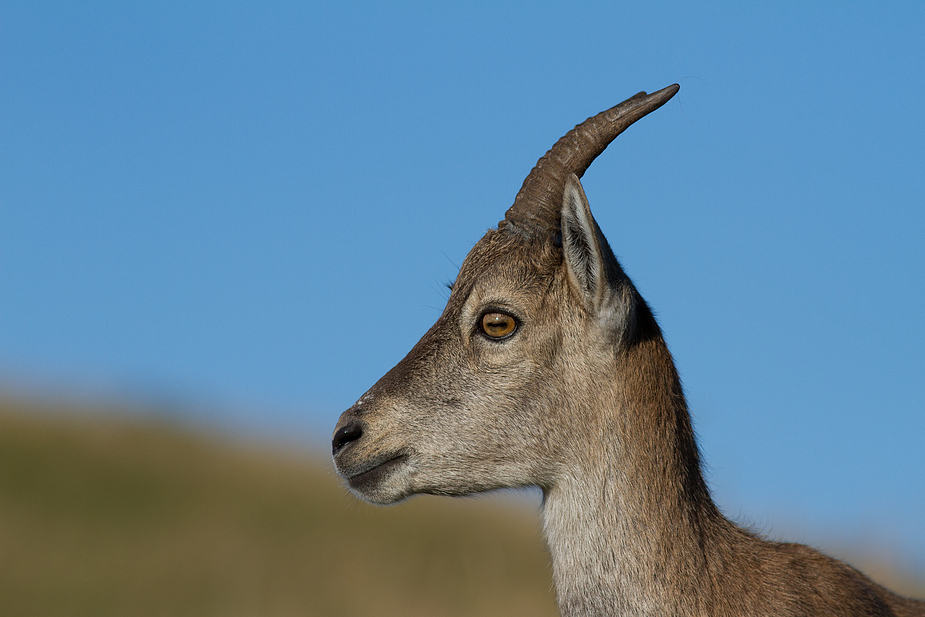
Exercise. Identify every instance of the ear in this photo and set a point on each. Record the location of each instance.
(592, 267)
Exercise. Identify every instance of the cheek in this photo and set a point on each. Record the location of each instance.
(494, 402)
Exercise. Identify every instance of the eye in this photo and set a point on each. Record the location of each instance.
(498, 325)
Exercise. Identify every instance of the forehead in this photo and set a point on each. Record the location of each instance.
(501, 257)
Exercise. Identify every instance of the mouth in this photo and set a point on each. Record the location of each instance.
(373, 475)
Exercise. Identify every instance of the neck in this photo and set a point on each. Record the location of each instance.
(629, 520)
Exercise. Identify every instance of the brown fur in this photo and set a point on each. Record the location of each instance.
(582, 400)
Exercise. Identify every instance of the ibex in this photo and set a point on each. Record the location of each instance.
(547, 369)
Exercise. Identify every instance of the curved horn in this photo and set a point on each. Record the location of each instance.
(538, 205)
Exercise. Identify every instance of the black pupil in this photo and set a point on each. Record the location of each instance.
(497, 324)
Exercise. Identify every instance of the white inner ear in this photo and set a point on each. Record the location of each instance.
(580, 245)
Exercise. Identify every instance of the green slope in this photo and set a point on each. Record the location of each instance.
(114, 517)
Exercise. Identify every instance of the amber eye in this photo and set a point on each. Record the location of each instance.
(498, 325)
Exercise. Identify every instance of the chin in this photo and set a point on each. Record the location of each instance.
(382, 481)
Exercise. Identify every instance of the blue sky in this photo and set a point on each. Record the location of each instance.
(253, 210)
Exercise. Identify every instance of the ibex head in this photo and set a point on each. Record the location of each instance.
(502, 390)
(547, 368)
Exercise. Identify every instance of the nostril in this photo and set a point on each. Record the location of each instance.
(345, 435)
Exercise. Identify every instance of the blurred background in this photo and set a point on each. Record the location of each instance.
(220, 223)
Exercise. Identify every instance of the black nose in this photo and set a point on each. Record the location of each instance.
(345, 435)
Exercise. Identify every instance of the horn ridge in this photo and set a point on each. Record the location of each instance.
(536, 208)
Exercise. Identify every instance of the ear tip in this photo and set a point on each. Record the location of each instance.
(573, 188)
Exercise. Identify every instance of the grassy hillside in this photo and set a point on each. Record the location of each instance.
(113, 517)
(118, 517)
